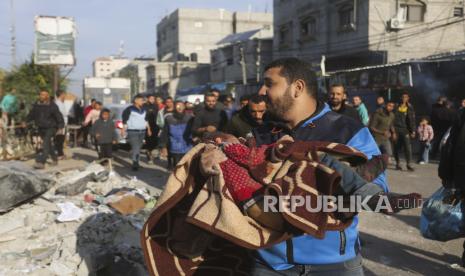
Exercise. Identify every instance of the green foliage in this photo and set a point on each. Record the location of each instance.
(28, 79)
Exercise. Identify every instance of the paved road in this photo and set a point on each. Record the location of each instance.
(392, 244)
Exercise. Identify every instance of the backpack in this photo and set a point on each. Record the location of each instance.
(452, 163)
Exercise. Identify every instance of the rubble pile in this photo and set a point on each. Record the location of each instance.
(87, 222)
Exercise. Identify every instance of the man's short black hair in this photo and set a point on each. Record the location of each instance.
(59, 93)
(105, 110)
(293, 69)
(256, 98)
(244, 98)
(209, 94)
(339, 85)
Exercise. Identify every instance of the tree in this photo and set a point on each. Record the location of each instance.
(28, 79)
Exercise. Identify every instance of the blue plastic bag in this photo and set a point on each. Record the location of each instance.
(442, 216)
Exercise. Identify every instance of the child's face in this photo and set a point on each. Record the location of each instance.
(105, 116)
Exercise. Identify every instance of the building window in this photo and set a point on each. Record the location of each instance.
(412, 12)
(198, 24)
(285, 34)
(346, 18)
(458, 12)
(308, 28)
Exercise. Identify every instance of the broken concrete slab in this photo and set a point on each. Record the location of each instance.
(76, 183)
(8, 224)
(20, 183)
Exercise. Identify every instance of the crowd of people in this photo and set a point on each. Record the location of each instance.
(286, 104)
(168, 128)
(394, 126)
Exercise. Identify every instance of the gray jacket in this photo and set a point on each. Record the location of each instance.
(105, 131)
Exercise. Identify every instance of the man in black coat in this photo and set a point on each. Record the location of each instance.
(337, 102)
(48, 120)
(442, 118)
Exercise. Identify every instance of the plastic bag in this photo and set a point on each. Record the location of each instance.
(442, 216)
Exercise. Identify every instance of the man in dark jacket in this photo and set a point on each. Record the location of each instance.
(249, 117)
(404, 124)
(337, 102)
(382, 128)
(442, 118)
(151, 142)
(105, 136)
(210, 118)
(48, 120)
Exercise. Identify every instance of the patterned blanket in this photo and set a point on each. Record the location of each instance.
(200, 224)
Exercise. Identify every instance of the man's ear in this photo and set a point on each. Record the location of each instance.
(299, 88)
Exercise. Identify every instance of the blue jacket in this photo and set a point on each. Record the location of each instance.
(176, 133)
(336, 246)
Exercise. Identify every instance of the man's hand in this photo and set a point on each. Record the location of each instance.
(210, 129)
(412, 135)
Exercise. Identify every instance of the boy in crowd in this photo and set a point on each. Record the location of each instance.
(105, 136)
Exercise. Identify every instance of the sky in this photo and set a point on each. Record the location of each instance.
(101, 25)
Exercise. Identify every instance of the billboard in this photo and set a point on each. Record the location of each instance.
(54, 40)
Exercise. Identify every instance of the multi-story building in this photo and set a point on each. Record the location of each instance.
(190, 34)
(354, 33)
(136, 71)
(241, 57)
(166, 78)
(106, 66)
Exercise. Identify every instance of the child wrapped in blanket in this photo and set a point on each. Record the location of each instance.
(250, 172)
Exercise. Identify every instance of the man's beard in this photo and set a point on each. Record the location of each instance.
(280, 106)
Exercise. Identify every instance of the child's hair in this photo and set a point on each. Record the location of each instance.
(424, 118)
(105, 110)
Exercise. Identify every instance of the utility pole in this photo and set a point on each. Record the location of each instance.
(259, 59)
(13, 34)
(243, 65)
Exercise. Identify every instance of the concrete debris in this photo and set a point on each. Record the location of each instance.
(95, 240)
(20, 183)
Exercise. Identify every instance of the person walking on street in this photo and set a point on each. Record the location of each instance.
(291, 88)
(105, 136)
(49, 121)
(425, 135)
(210, 118)
(337, 102)
(442, 118)
(135, 123)
(361, 109)
(60, 137)
(382, 128)
(176, 135)
(151, 142)
(86, 129)
(249, 117)
(162, 113)
(404, 124)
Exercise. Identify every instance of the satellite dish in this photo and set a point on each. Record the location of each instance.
(107, 91)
